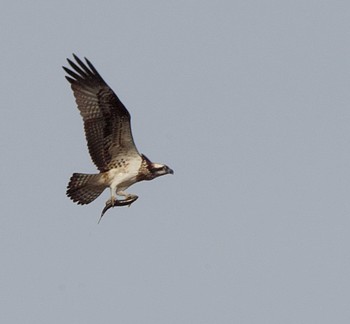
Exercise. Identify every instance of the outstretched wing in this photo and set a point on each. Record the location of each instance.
(106, 120)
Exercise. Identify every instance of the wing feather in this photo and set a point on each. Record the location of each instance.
(106, 120)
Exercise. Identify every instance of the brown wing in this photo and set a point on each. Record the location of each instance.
(106, 120)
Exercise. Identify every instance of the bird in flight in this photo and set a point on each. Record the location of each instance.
(109, 139)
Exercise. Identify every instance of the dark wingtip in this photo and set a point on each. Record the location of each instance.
(70, 80)
(69, 60)
(65, 69)
(75, 56)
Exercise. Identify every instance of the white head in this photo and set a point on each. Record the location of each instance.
(155, 169)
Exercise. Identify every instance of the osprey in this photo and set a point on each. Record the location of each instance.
(109, 139)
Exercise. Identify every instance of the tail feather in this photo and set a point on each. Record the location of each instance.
(84, 188)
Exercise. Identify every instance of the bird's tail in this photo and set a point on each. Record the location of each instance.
(85, 188)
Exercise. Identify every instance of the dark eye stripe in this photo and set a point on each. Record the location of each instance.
(157, 169)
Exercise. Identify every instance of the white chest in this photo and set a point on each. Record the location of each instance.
(122, 178)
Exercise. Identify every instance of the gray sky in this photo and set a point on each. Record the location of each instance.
(249, 103)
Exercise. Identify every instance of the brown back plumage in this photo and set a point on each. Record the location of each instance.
(106, 120)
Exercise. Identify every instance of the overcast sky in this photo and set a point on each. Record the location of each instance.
(248, 102)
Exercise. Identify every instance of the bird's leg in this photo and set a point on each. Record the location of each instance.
(113, 199)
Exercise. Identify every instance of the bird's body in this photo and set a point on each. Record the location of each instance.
(123, 177)
(110, 142)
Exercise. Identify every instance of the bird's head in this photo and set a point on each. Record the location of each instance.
(156, 169)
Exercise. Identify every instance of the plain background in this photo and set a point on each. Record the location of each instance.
(248, 101)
